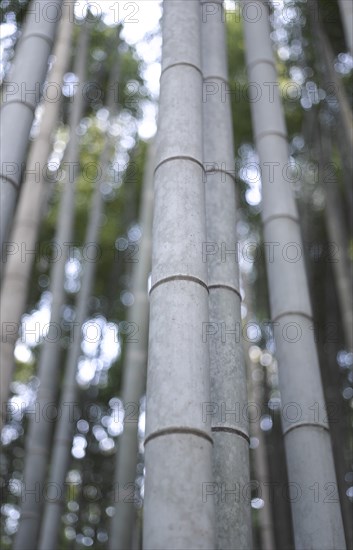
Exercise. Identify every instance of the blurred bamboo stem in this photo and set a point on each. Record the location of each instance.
(18, 266)
(134, 376)
(307, 438)
(40, 432)
(20, 96)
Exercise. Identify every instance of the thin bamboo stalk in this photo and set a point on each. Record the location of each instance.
(227, 369)
(134, 375)
(66, 423)
(39, 433)
(21, 95)
(19, 265)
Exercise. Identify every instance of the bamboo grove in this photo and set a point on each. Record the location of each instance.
(176, 261)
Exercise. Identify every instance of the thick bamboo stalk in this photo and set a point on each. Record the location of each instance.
(346, 8)
(18, 266)
(228, 376)
(21, 95)
(134, 375)
(40, 429)
(66, 423)
(304, 419)
(178, 444)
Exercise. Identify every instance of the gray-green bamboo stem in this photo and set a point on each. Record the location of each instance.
(304, 419)
(65, 426)
(134, 375)
(228, 376)
(18, 266)
(39, 433)
(178, 444)
(21, 95)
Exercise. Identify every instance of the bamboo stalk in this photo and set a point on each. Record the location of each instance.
(39, 433)
(18, 266)
(305, 426)
(228, 376)
(134, 375)
(21, 95)
(178, 444)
